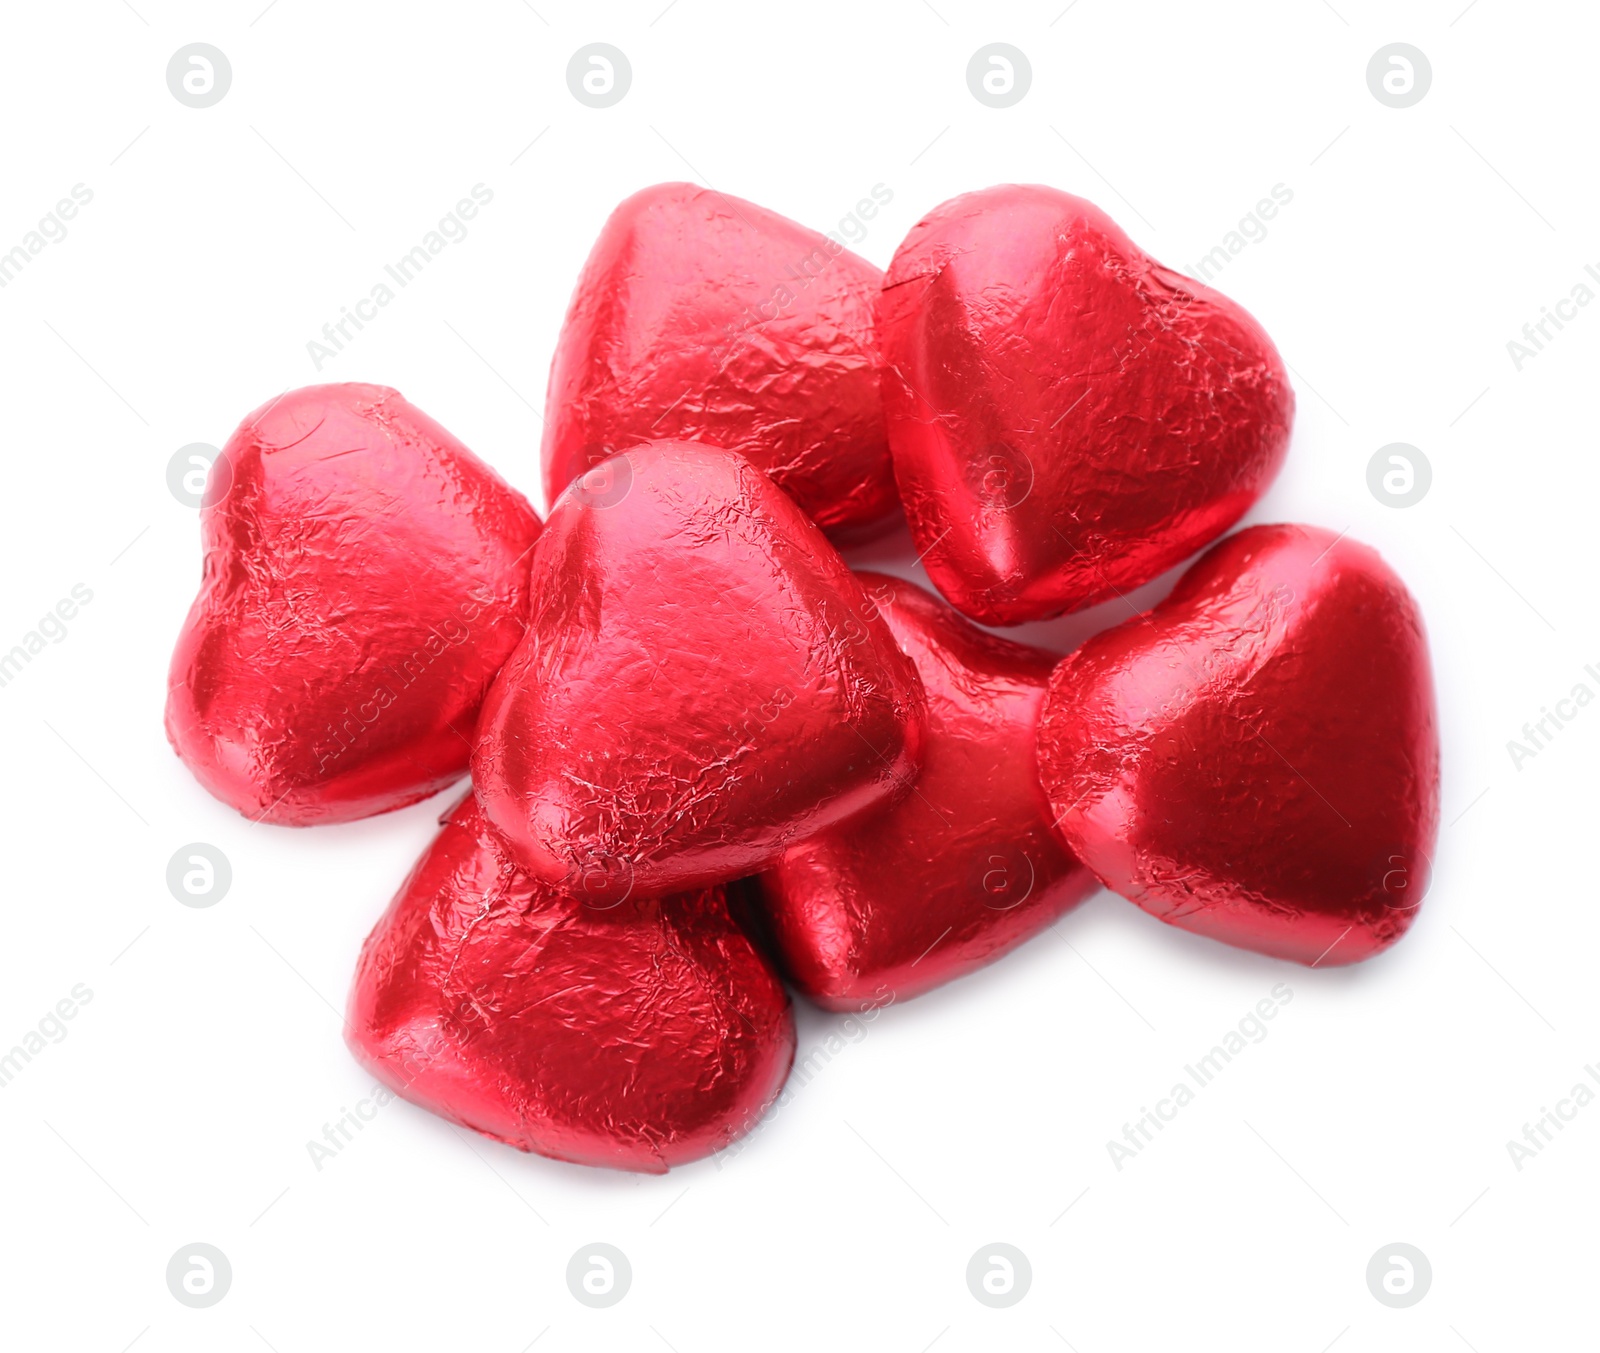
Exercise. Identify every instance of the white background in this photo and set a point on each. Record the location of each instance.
(219, 241)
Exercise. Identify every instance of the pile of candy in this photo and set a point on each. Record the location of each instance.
(705, 753)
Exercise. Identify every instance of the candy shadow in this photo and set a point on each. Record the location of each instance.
(1196, 951)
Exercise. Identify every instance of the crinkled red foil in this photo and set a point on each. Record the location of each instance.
(1257, 759)
(638, 1036)
(894, 902)
(702, 684)
(365, 578)
(704, 317)
(1068, 418)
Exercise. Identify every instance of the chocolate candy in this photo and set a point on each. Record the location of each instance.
(961, 870)
(638, 1036)
(704, 317)
(365, 578)
(702, 683)
(1068, 418)
(1257, 759)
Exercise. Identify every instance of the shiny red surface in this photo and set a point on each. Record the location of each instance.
(365, 578)
(702, 684)
(960, 871)
(638, 1036)
(704, 317)
(1068, 418)
(1257, 759)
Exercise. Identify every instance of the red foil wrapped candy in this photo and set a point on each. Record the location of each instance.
(704, 317)
(365, 578)
(1068, 418)
(1257, 759)
(958, 872)
(702, 684)
(638, 1036)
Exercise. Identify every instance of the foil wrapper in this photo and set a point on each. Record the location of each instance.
(702, 684)
(702, 317)
(1257, 758)
(1068, 418)
(894, 902)
(365, 579)
(637, 1036)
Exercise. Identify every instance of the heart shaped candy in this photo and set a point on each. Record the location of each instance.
(365, 578)
(1068, 418)
(1257, 759)
(702, 683)
(961, 870)
(639, 1036)
(704, 317)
